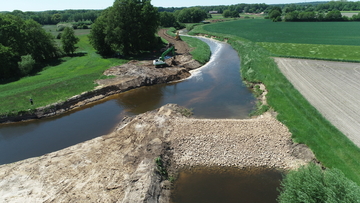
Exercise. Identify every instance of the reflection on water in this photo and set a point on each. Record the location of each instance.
(214, 91)
(226, 185)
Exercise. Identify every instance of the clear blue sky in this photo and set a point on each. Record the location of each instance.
(42, 5)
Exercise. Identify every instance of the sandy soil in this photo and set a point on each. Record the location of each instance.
(331, 87)
(120, 166)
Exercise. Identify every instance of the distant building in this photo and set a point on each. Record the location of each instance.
(213, 12)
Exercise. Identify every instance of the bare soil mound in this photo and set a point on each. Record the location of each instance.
(331, 87)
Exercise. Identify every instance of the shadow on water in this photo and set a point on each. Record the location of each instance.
(214, 91)
(226, 185)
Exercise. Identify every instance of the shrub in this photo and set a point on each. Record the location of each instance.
(312, 184)
(26, 64)
(60, 28)
(59, 36)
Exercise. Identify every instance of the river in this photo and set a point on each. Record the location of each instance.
(213, 91)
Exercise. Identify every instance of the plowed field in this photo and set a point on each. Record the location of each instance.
(331, 87)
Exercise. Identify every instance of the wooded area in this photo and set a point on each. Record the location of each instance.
(23, 42)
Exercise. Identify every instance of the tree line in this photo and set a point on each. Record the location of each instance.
(54, 17)
(322, 7)
(289, 15)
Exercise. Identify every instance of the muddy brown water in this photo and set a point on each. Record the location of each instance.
(227, 185)
(214, 91)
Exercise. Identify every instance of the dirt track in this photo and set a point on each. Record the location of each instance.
(181, 47)
(331, 87)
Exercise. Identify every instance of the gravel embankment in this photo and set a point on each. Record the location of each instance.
(261, 142)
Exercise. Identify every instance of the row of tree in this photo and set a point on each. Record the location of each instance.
(240, 8)
(54, 17)
(23, 43)
(322, 7)
(313, 16)
(186, 15)
(277, 14)
(231, 14)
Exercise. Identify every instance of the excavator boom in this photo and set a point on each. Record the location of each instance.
(161, 60)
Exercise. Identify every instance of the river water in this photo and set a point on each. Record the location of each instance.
(213, 91)
(226, 184)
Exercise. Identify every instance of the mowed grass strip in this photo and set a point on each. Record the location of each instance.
(306, 124)
(314, 51)
(72, 76)
(200, 51)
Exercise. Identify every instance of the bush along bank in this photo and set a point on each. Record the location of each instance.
(331, 147)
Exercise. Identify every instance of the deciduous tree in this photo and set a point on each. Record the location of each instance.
(69, 40)
(128, 27)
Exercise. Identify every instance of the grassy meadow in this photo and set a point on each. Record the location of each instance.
(332, 148)
(314, 40)
(62, 79)
(199, 49)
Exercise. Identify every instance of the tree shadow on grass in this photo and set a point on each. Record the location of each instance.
(78, 54)
(40, 66)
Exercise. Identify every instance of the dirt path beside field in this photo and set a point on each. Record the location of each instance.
(333, 88)
(181, 47)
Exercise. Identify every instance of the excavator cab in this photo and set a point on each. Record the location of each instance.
(161, 60)
(177, 37)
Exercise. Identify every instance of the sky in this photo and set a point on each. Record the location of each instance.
(43, 5)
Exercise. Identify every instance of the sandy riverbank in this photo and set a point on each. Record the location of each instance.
(120, 166)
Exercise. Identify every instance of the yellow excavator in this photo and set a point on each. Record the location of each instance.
(177, 37)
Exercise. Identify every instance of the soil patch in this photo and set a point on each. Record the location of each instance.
(331, 87)
(120, 166)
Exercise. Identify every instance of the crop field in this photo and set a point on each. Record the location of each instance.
(313, 40)
(331, 87)
(314, 51)
(349, 13)
(262, 30)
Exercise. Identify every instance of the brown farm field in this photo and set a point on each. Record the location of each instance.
(333, 88)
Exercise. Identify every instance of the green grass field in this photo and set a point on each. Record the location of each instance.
(315, 40)
(199, 49)
(262, 30)
(306, 124)
(68, 77)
